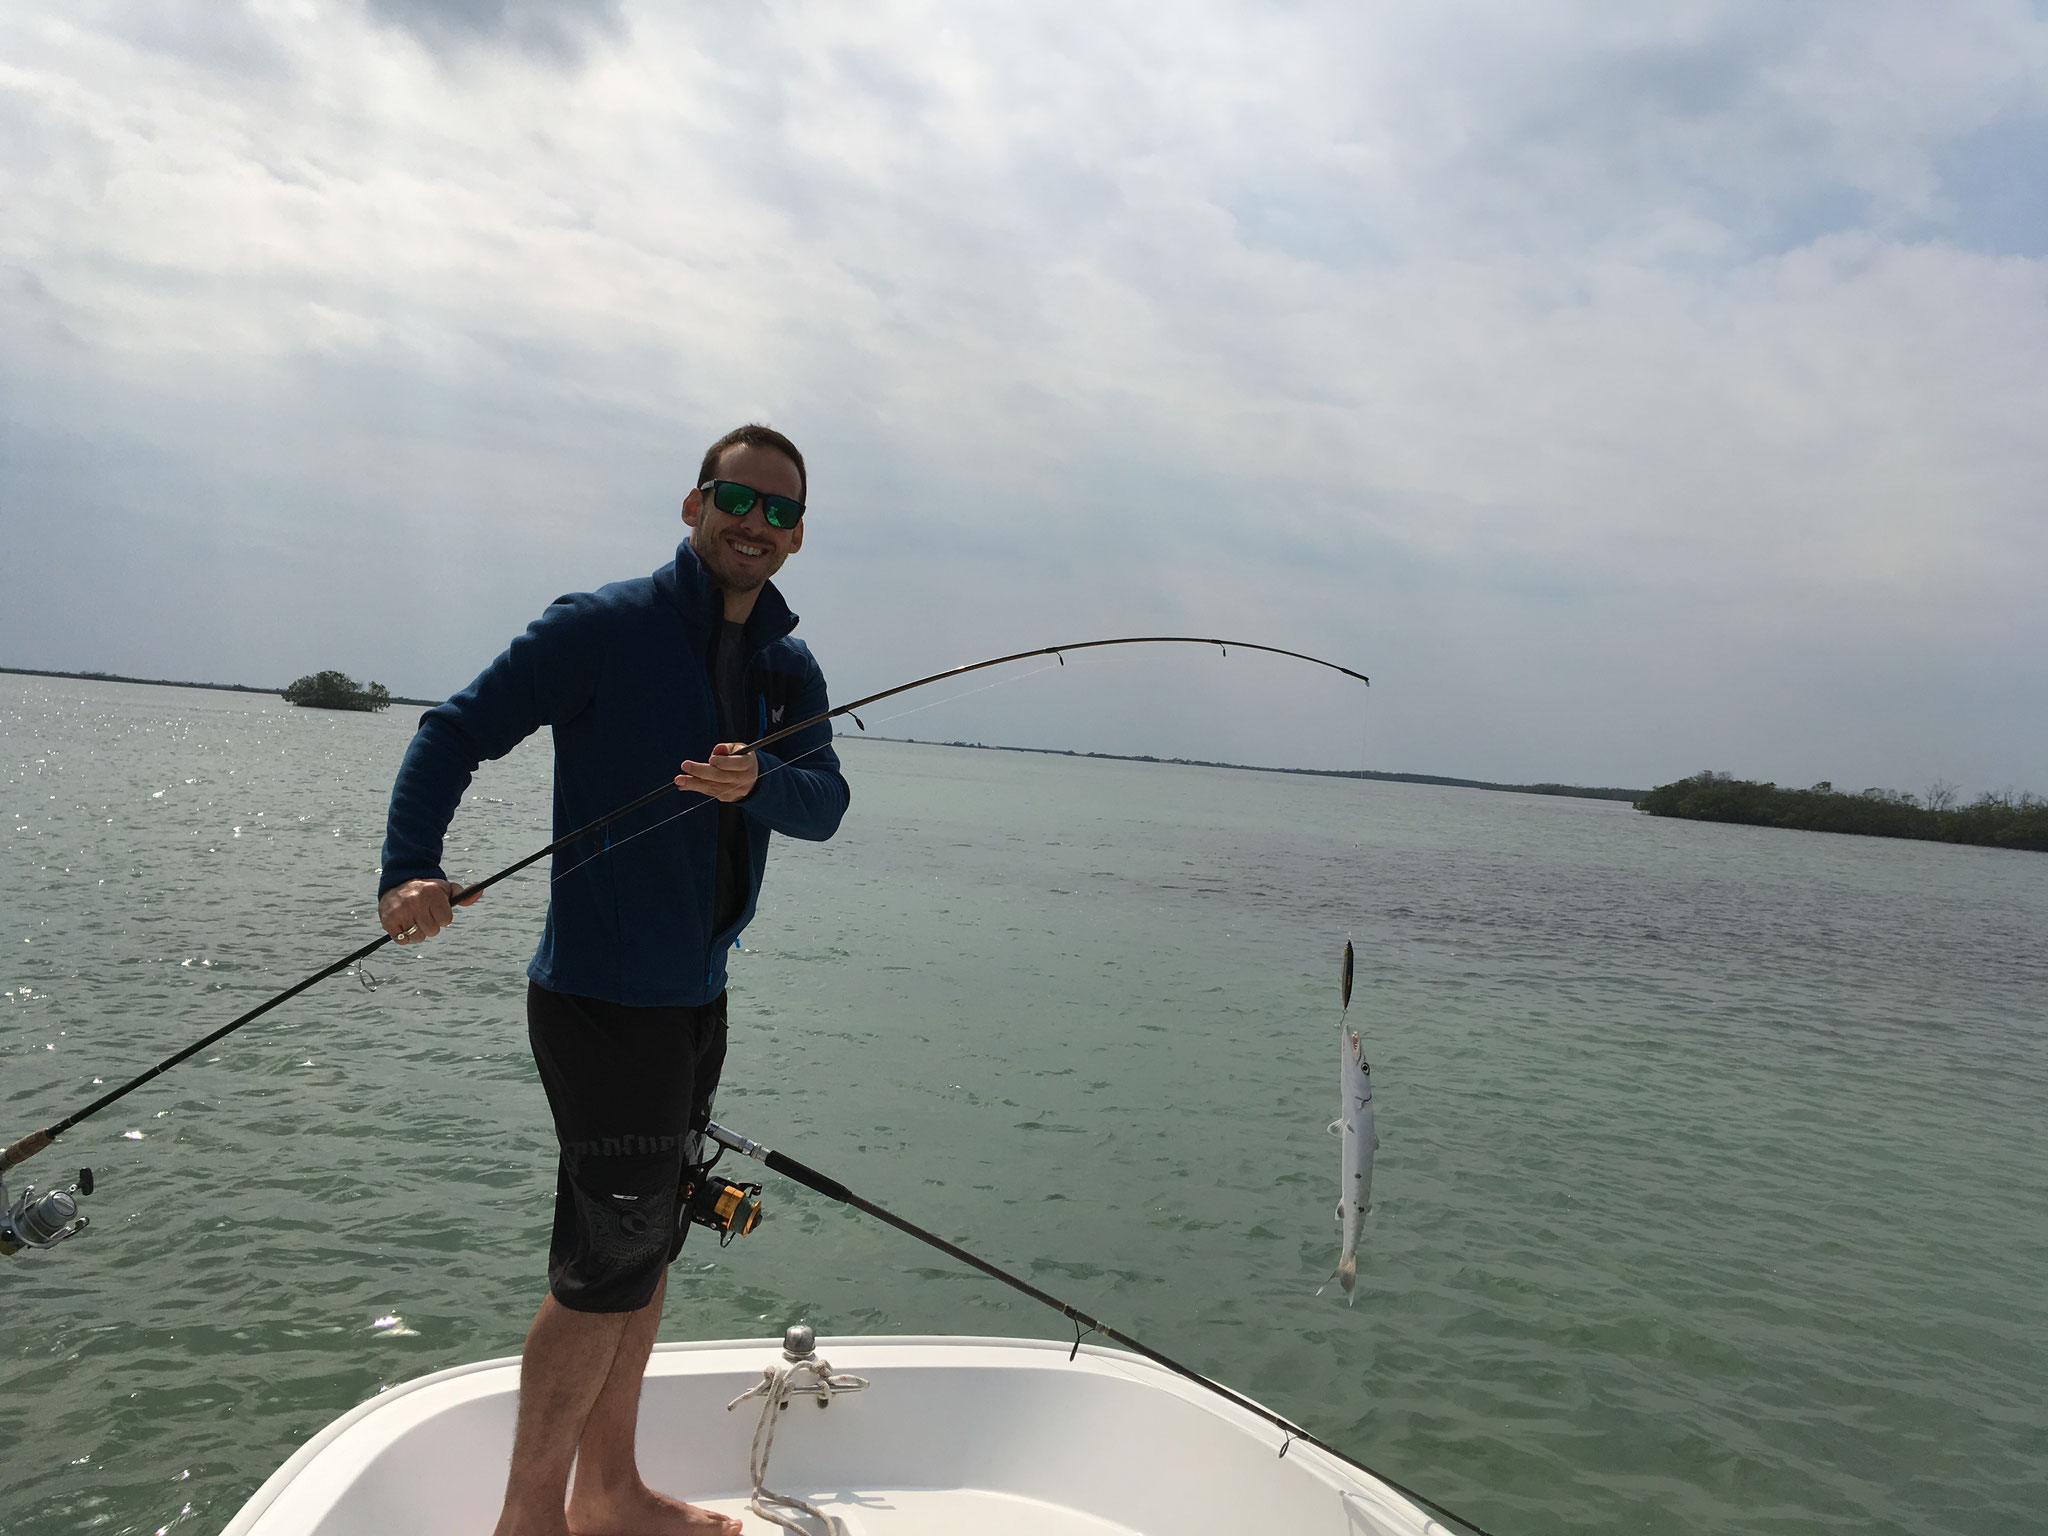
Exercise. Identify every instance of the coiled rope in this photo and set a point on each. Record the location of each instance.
(808, 1376)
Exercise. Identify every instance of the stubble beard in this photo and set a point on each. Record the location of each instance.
(713, 560)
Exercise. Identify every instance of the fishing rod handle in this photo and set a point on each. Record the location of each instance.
(803, 1173)
(25, 1149)
(784, 1164)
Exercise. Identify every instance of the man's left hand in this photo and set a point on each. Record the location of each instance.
(729, 776)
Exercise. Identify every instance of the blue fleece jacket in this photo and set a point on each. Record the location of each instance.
(620, 675)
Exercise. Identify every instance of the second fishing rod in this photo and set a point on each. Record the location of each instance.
(1084, 1324)
(36, 1141)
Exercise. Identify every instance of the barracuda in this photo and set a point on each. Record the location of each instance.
(1354, 1125)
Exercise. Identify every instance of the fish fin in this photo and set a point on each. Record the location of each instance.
(1375, 1141)
(1335, 1127)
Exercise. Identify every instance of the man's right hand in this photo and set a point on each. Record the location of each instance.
(419, 909)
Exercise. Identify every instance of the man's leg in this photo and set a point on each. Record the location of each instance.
(609, 1498)
(622, 1084)
(561, 1375)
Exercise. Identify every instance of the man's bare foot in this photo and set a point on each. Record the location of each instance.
(643, 1512)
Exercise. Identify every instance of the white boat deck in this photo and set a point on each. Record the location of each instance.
(998, 1437)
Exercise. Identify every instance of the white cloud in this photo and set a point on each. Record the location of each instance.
(1528, 357)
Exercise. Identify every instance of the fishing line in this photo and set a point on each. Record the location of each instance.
(954, 698)
(35, 1141)
(1059, 651)
(787, 762)
(832, 1189)
(677, 816)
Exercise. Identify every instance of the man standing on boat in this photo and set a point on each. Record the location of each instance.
(626, 994)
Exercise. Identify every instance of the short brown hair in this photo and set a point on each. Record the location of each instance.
(753, 435)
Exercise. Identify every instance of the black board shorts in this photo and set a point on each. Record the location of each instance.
(627, 1087)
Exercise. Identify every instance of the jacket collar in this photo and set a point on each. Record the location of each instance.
(688, 586)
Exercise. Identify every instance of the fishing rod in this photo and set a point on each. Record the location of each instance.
(832, 1189)
(35, 1141)
(875, 698)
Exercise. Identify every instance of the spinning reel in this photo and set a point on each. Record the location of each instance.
(42, 1221)
(729, 1209)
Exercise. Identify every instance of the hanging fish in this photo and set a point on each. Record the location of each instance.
(1354, 1125)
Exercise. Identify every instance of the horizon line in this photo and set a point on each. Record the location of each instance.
(1574, 791)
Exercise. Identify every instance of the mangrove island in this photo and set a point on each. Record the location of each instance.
(337, 690)
(2002, 820)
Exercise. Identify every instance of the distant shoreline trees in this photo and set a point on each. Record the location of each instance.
(1993, 820)
(337, 690)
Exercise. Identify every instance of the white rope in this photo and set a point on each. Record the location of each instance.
(778, 1384)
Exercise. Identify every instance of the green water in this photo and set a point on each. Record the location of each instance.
(1710, 1194)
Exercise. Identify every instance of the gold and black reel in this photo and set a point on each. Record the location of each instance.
(731, 1210)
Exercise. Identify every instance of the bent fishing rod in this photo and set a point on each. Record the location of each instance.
(832, 1189)
(35, 1141)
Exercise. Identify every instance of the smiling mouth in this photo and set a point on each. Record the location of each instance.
(750, 550)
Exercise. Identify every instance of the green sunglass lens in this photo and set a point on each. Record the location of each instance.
(730, 497)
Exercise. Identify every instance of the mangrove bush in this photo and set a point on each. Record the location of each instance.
(337, 690)
(2002, 820)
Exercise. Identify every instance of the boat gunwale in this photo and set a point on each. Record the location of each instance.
(1342, 1477)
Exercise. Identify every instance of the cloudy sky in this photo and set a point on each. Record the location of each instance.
(1629, 390)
